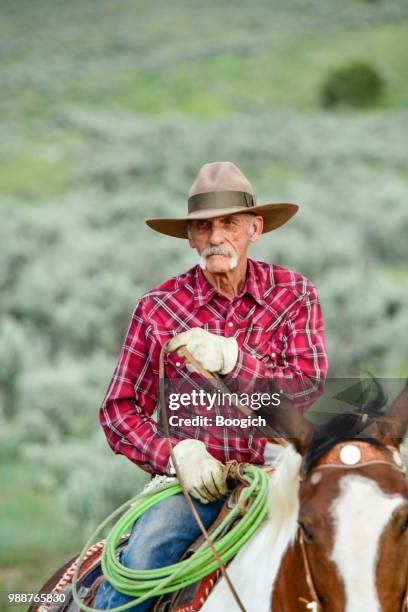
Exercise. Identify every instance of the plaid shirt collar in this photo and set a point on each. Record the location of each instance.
(255, 286)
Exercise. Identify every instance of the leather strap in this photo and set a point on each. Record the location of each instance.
(369, 454)
(314, 605)
(220, 199)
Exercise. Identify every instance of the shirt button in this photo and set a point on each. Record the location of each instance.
(178, 364)
(230, 324)
(273, 354)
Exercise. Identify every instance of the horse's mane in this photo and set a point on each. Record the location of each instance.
(346, 426)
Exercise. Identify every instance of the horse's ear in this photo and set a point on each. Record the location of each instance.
(287, 421)
(392, 426)
(302, 442)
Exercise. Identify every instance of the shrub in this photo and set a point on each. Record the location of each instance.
(357, 84)
(87, 482)
(11, 365)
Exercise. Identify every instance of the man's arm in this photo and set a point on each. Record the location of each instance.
(125, 414)
(301, 368)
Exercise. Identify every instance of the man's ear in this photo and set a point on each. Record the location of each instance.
(257, 224)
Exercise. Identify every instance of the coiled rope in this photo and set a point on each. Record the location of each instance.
(143, 584)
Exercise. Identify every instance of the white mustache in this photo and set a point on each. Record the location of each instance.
(227, 252)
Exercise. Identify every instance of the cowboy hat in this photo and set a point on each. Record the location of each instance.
(222, 189)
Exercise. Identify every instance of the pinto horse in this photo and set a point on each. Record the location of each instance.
(337, 535)
(336, 539)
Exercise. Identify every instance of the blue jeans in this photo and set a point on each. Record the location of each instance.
(158, 538)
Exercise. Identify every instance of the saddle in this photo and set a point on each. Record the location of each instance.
(188, 599)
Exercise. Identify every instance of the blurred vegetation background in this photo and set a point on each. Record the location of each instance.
(107, 111)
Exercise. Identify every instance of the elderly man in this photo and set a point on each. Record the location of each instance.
(241, 318)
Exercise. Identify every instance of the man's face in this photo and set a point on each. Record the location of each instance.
(222, 242)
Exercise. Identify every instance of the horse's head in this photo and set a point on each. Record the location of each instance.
(353, 512)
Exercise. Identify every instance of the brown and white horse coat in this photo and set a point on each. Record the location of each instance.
(352, 515)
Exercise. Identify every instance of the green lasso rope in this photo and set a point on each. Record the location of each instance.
(143, 584)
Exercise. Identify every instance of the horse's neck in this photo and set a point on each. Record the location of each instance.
(255, 568)
(253, 572)
(266, 579)
(290, 589)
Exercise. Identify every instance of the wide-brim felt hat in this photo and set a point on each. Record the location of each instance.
(222, 189)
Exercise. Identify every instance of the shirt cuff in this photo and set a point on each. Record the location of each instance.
(161, 457)
(257, 450)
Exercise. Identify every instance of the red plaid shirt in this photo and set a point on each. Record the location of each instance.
(277, 322)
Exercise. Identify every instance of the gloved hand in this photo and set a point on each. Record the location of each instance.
(215, 353)
(203, 475)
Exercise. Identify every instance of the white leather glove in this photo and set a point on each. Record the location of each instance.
(215, 353)
(203, 475)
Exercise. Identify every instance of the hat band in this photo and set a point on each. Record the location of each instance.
(220, 199)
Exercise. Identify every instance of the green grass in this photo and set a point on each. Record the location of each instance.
(282, 72)
(177, 60)
(32, 176)
(149, 59)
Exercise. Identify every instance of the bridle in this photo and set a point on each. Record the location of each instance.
(353, 454)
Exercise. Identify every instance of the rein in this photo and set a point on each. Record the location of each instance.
(218, 385)
(314, 605)
(186, 494)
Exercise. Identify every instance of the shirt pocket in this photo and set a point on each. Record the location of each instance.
(263, 345)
